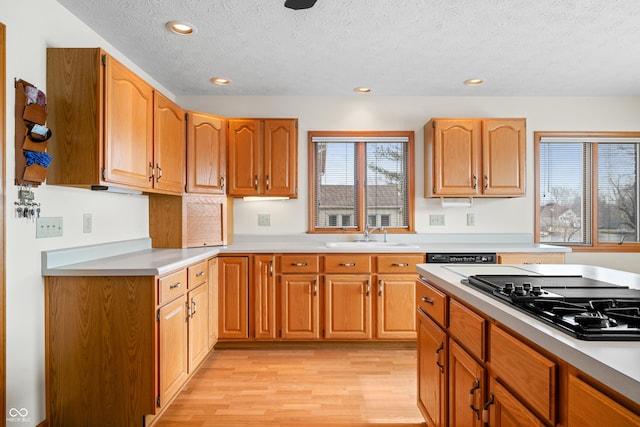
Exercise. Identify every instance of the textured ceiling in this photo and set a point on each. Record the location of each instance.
(396, 47)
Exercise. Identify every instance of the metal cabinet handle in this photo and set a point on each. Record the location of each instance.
(400, 264)
(299, 264)
(193, 305)
(427, 300)
(175, 285)
(222, 182)
(268, 183)
(485, 410)
(475, 182)
(486, 182)
(315, 288)
(438, 350)
(368, 289)
(153, 172)
(476, 386)
(200, 274)
(271, 268)
(255, 182)
(380, 288)
(159, 172)
(348, 264)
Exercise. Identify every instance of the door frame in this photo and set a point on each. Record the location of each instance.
(3, 115)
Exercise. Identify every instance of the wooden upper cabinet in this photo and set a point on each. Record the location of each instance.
(168, 145)
(263, 157)
(206, 153)
(128, 126)
(103, 118)
(475, 157)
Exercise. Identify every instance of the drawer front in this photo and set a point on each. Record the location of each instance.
(431, 301)
(172, 286)
(531, 258)
(299, 264)
(198, 274)
(399, 263)
(524, 371)
(468, 328)
(347, 263)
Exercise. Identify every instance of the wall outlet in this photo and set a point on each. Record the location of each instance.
(87, 223)
(264, 220)
(471, 219)
(48, 227)
(436, 219)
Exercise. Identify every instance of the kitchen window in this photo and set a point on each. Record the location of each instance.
(366, 177)
(587, 190)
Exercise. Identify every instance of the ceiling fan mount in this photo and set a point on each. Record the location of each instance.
(299, 4)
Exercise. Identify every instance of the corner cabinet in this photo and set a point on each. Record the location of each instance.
(111, 127)
(475, 157)
(263, 157)
(206, 153)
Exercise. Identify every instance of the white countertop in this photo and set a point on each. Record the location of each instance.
(138, 258)
(614, 363)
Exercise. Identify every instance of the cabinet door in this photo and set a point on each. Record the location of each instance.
(395, 303)
(466, 385)
(280, 163)
(503, 157)
(206, 220)
(456, 157)
(432, 375)
(589, 407)
(299, 306)
(172, 343)
(206, 153)
(213, 302)
(128, 127)
(505, 410)
(347, 302)
(169, 147)
(232, 303)
(198, 300)
(244, 157)
(264, 297)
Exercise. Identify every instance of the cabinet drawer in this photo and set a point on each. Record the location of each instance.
(431, 301)
(524, 371)
(172, 286)
(299, 264)
(347, 263)
(198, 274)
(468, 328)
(398, 263)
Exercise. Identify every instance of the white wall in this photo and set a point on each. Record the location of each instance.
(118, 217)
(30, 30)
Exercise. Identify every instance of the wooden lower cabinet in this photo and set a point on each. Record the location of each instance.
(198, 322)
(213, 301)
(505, 410)
(347, 306)
(233, 282)
(264, 297)
(589, 407)
(173, 354)
(432, 371)
(394, 294)
(466, 388)
(299, 307)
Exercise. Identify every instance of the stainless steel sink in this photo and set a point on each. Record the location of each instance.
(371, 244)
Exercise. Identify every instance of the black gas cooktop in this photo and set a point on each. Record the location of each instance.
(587, 309)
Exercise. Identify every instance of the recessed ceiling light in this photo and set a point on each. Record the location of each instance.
(362, 90)
(182, 28)
(473, 82)
(220, 81)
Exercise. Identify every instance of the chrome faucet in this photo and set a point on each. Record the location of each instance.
(368, 231)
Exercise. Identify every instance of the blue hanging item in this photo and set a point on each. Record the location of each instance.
(33, 157)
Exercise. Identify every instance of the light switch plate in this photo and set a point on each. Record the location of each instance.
(87, 223)
(264, 220)
(48, 227)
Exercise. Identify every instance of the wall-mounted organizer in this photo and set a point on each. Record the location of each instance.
(32, 135)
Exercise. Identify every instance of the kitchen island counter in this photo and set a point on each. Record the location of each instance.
(613, 363)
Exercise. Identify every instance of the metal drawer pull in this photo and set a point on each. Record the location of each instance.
(400, 265)
(368, 289)
(175, 285)
(427, 300)
(472, 392)
(349, 264)
(299, 264)
(315, 288)
(438, 350)
(200, 274)
(193, 304)
(380, 288)
(485, 411)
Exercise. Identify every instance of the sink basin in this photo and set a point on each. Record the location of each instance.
(371, 244)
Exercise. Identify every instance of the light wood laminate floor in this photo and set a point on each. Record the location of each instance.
(317, 386)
